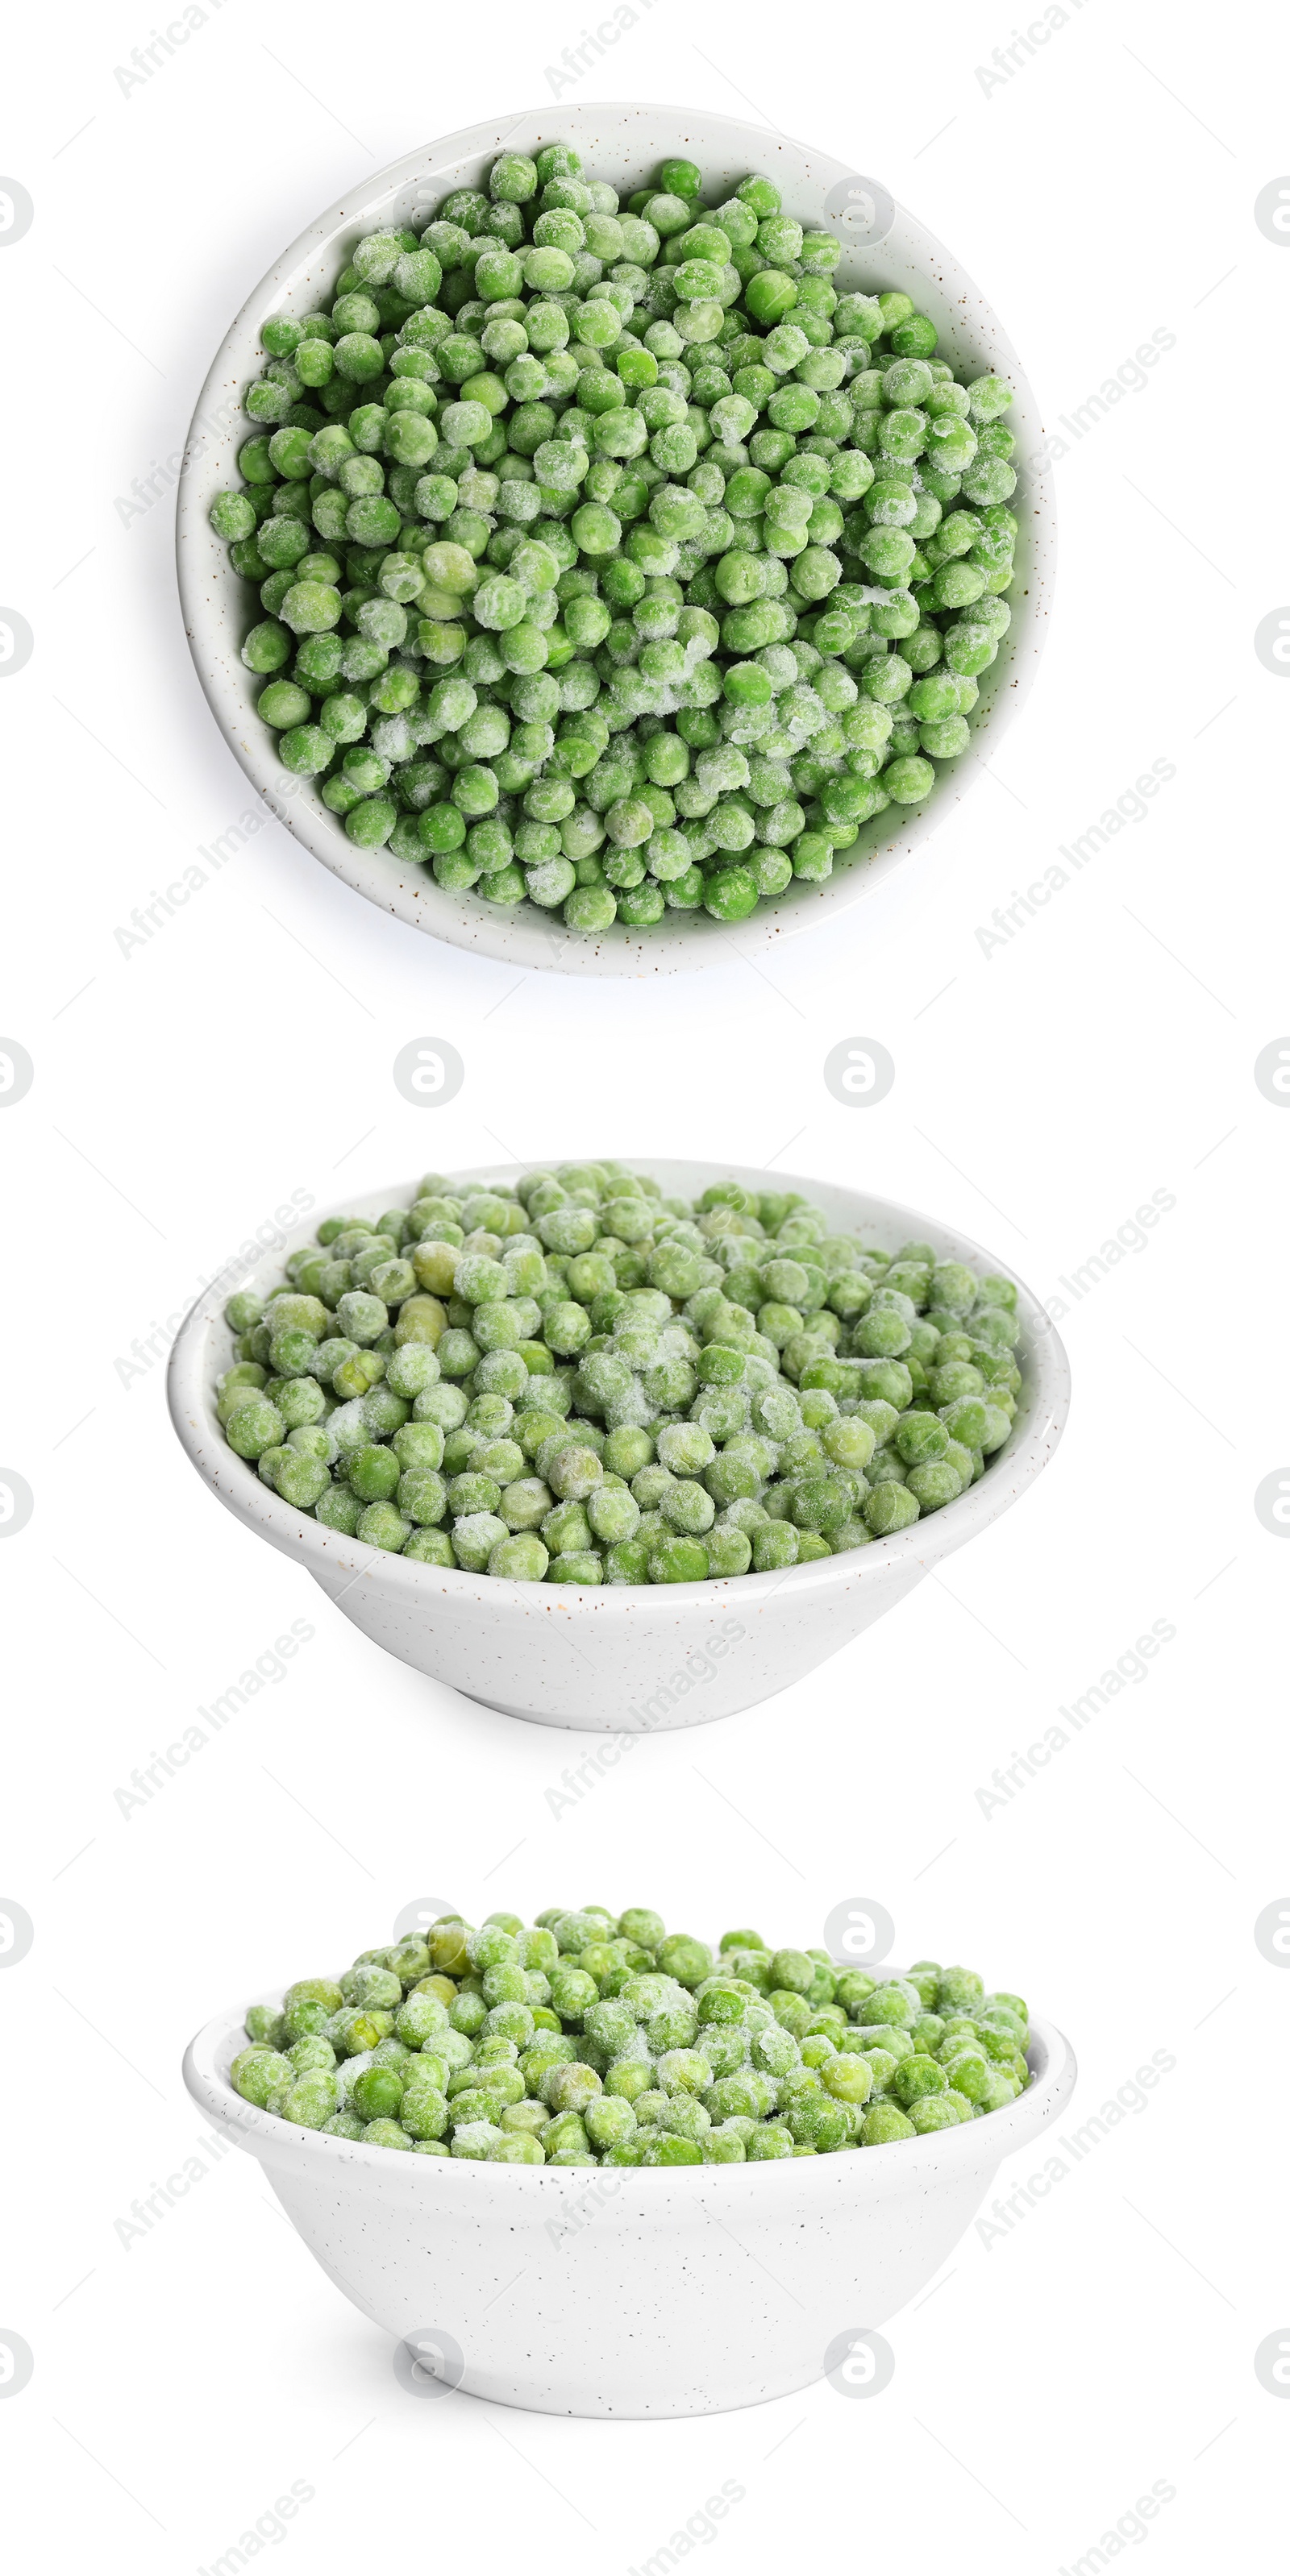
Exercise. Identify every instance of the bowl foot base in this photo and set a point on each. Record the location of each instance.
(598, 1725)
(640, 2409)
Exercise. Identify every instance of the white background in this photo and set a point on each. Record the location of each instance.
(1101, 191)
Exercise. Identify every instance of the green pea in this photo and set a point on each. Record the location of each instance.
(884, 2124)
(258, 2072)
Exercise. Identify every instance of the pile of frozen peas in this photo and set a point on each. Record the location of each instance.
(587, 2038)
(574, 1378)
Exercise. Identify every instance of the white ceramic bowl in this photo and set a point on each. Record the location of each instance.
(623, 1658)
(623, 144)
(617, 2291)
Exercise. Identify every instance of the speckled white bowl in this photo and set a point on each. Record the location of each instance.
(615, 2291)
(623, 144)
(623, 1658)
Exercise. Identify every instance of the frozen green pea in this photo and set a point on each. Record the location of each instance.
(884, 2125)
(888, 1509)
(934, 1485)
(258, 2072)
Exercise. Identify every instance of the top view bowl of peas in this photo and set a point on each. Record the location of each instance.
(618, 1446)
(606, 535)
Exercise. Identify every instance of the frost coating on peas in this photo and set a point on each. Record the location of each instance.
(573, 1379)
(587, 2038)
(637, 486)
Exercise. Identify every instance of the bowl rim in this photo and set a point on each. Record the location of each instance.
(1046, 1371)
(1050, 2057)
(413, 895)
